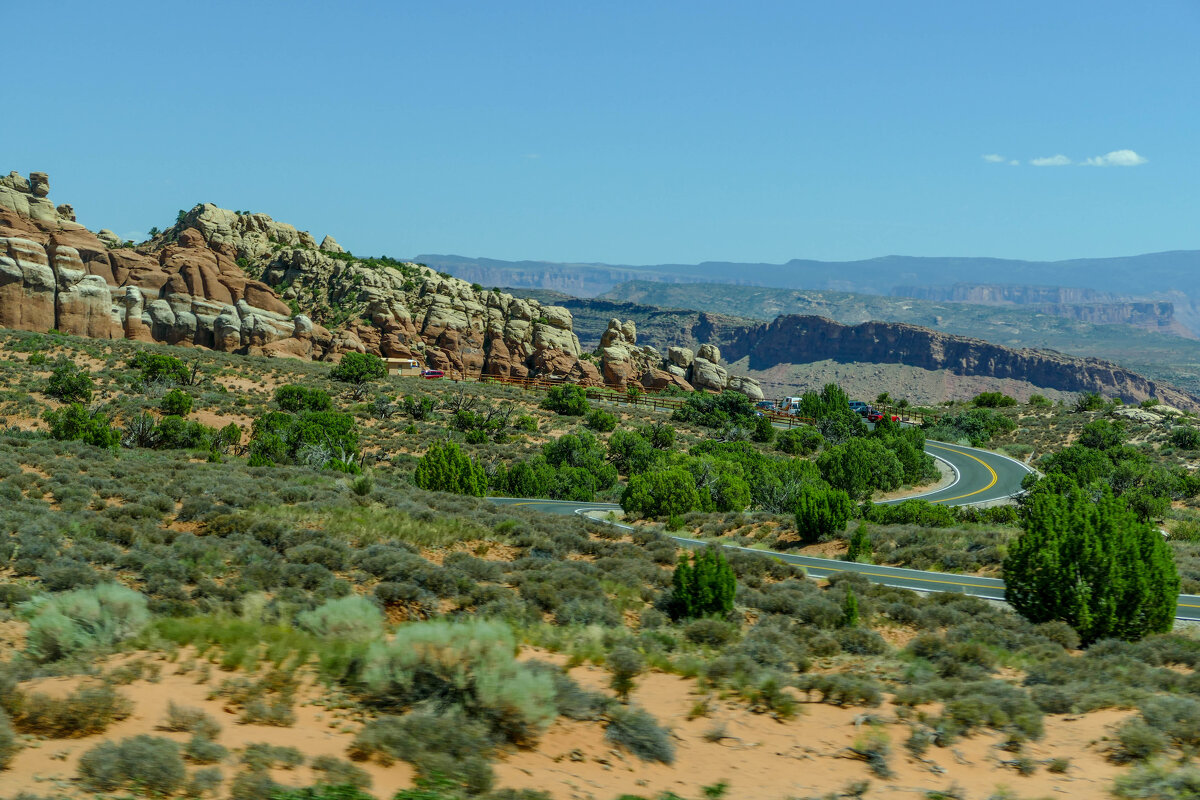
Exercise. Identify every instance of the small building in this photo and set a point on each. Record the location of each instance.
(403, 366)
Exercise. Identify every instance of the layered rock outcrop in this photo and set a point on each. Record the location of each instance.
(797, 339)
(211, 280)
(623, 362)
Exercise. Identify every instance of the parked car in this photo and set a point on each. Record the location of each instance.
(876, 416)
(857, 406)
(765, 405)
(433, 374)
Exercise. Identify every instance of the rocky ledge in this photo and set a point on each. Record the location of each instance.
(800, 339)
(242, 282)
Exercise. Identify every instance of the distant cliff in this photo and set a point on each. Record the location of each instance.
(796, 339)
(1083, 305)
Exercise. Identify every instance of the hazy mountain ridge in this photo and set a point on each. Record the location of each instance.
(1125, 276)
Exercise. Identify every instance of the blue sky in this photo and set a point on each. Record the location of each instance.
(625, 132)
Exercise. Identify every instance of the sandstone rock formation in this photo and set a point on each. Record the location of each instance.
(211, 279)
(798, 339)
(623, 362)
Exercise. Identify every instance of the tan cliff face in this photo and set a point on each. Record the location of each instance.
(797, 339)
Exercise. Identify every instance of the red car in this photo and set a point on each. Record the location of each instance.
(433, 374)
(876, 416)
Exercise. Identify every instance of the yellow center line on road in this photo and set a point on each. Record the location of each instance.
(986, 466)
(901, 577)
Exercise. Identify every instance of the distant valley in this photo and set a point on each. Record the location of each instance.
(669, 314)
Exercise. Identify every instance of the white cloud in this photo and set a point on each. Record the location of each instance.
(993, 158)
(1014, 163)
(1051, 161)
(1117, 158)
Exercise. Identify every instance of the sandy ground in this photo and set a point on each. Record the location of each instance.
(763, 758)
(759, 757)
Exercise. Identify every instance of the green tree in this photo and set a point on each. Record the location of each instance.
(359, 368)
(176, 403)
(702, 587)
(764, 431)
(660, 435)
(821, 512)
(315, 438)
(631, 453)
(446, 468)
(160, 368)
(76, 423)
(581, 451)
(531, 478)
(860, 544)
(1089, 562)
(1102, 434)
(661, 493)
(569, 400)
(1186, 438)
(716, 410)
(799, 441)
(301, 398)
(993, 400)
(70, 384)
(600, 420)
(860, 466)
(850, 609)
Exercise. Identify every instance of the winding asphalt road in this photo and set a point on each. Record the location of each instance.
(980, 476)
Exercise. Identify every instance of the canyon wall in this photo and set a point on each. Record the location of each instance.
(797, 339)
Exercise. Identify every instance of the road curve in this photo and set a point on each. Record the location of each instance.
(981, 476)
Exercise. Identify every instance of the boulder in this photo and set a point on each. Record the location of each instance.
(613, 334)
(1138, 414)
(747, 386)
(707, 375)
(42, 210)
(65, 211)
(39, 184)
(656, 380)
(558, 317)
(585, 373)
(680, 356)
(15, 181)
(109, 238)
(552, 363)
(709, 352)
(330, 245)
(617, 373)
(14, 201)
